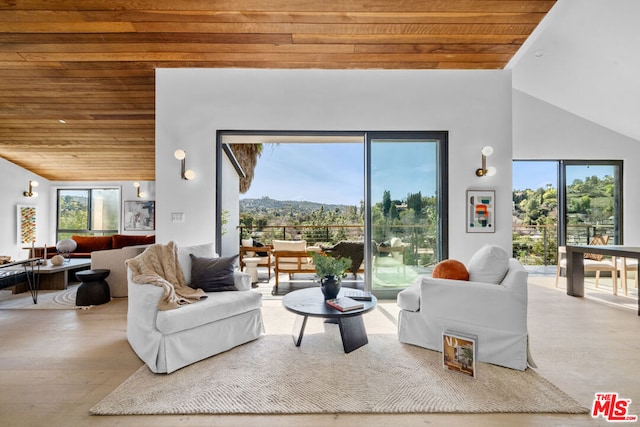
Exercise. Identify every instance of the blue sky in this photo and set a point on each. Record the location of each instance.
(323, 173)
(334, 173)
(403, 168)
(536, 174)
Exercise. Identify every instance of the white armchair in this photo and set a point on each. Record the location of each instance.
(171, 339)
(495, 312)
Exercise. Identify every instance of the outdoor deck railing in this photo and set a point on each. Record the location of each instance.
(420, 245)
(532, 244)
(311, 233)
(538, 244)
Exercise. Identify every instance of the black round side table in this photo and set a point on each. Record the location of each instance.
(93, 290)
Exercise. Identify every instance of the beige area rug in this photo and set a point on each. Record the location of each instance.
(47, 300)
(272, 376)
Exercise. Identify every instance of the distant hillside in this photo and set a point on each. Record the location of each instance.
(266, 205)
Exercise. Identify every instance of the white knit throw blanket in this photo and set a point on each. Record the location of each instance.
(158, 265)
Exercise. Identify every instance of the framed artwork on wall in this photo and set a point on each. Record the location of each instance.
(139, 215)
(26, 224)
(480, 207)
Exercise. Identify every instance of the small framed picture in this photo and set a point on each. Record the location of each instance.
(26, 224)
(140, 215)
(480, 207)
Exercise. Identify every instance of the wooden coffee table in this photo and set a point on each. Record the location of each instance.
(56, 277)
(310, 303)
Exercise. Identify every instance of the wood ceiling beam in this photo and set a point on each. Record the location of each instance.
(73, 50)
(319, 38)
(134, 38)
(351, 17)
(293, 28)
(273, 57)
(492, 6)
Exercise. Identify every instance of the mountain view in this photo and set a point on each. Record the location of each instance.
(266, 205)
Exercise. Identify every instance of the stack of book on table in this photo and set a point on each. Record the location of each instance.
(344, 304)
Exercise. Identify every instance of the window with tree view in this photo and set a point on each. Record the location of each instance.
(88, 212)
(592, 202)
(564, 202)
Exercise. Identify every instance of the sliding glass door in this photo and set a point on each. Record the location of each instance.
(592, 201)
(564, 202)
(406, 207)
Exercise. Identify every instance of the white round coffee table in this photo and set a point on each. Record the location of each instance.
(251, 267)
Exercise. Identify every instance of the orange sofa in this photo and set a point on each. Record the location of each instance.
(88, 244)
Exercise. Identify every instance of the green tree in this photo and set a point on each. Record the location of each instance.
(386, 203)
(414, 202)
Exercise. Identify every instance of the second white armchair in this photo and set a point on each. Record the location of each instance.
(492, 306)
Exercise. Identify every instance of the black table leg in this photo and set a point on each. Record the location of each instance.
(33, 281)
(575, 274)
(298, 329)
(353, 333)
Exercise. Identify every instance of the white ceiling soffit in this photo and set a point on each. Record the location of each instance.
(585, 58)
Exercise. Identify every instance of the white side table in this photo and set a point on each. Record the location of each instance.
(251, 267)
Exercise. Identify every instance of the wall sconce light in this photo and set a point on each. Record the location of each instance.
(484, 170)
(140, 194)
(31, 193)
(184, 173)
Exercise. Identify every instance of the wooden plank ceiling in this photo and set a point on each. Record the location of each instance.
(90, 63)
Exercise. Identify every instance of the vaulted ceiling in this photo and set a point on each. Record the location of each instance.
(77, 77)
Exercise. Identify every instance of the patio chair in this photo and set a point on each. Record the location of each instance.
(292, 256)
(625, 265)
(348, 249)
(390, 255)
(592, 262)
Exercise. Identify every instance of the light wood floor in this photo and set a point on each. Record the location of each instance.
(56, 364)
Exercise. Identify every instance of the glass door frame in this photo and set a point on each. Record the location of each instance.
(442, 196)
(618, 199)
(442, 176)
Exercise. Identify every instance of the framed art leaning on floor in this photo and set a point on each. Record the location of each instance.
(480, 207)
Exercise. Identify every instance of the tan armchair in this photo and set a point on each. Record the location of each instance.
(592, 262)
(292, 256)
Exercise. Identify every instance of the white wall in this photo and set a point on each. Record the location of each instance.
(191, 104)
(584, 58)
(15, 181)
(542, 131)
(231, 204)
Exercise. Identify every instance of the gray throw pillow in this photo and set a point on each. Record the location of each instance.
(213, 274)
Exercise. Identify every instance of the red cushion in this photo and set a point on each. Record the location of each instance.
(92, 243)
(122, 240)
(450, 269)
